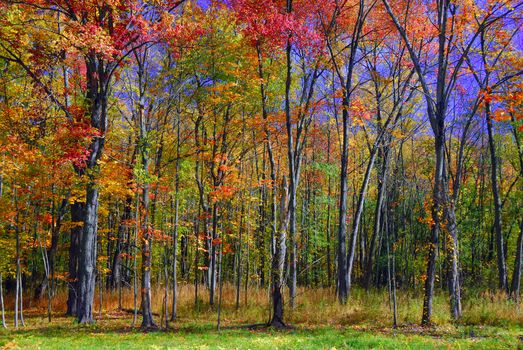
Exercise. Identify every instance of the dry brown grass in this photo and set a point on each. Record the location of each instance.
(314, 308)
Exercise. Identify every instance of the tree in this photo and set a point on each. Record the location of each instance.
(446, 15)
(103, 35)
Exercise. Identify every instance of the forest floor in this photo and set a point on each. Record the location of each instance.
(318, 322)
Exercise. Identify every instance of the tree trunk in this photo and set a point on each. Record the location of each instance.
(97, 83)
(196, 254)
(175, 251)
(115, 278)
(343, 281)
(518, 261)
(77, 215)
(87, 258)
(359, 212)
(165, 302)
(19, 295)
(502, 267)
(292, 168)
(176, 219)
(278, 263)
(2, 302)
(453, 256)
(391, 264)
(437, 206)
(213, 256)
(382, 188)
(239, 254)
(146, 230)
(147, 314)
(135, 256)
(328, 223)
(51, 252)
(220, 282)
(516, 274)
(278, 240)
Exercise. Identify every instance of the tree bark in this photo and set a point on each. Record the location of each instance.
(4, 325)
(87, 261)
(146, 227)
(97, 85)
(383, 160)
(176, 219)
(115, 278)
(358, 214)
(292, 168)
(77, 215)
(278, 262)
(175, 249)
(453, 257)
(500, 248)
(343, 279)
(518, 262)
(213, 256)
(437, 206)
(516, 274)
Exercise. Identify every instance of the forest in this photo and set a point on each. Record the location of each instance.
(261, 174)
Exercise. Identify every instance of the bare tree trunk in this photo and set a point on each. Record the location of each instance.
(196, 255)
(292, 168)
(359, 212)
(146, 227)
(328, 223)
(2, 302)
(147, 315)
(278, 239)
(437, 206)
(382, 188)
(87, 261)
(97, 84)
(453, 257)
(247, 270)
(165, 303)
(77, 216)
(198, 169)
(100, 293)
(176, 219)
(502, 267)
(518, 262)
(343, 280)
(212, 262)
(135, 266)
(175, 256)
(391, 266)
(45, 260)
(278, 263)
(262, 219)
(437, 104)
(1, 281)
(115, 277)
(239, 256)
(220, 289)
(56, 224)
(19, 295)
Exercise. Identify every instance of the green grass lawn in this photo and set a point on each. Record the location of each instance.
(206, 337)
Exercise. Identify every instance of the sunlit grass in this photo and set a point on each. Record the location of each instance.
(489, 320)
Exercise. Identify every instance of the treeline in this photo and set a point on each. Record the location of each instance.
(270, 143)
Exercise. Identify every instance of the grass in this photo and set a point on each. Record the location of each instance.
(489, 322)
(208, 338)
